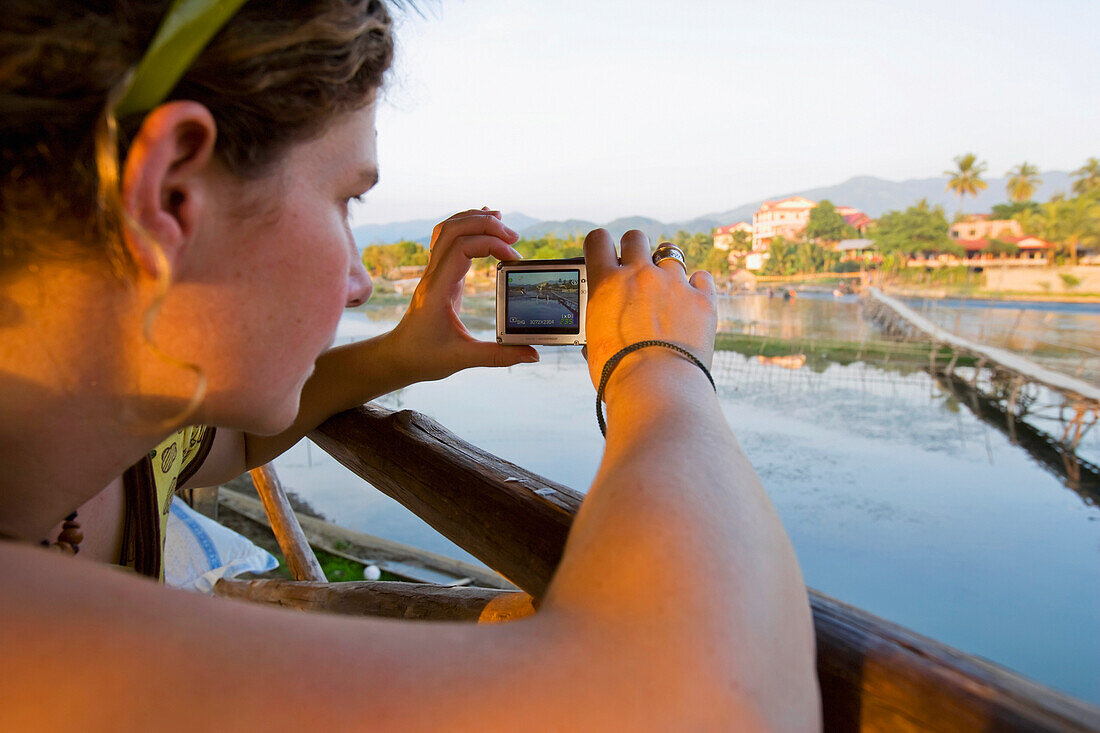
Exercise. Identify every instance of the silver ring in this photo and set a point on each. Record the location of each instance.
(669, 251)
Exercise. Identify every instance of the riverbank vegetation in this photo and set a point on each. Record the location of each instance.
(1070, 220)
(380, 259)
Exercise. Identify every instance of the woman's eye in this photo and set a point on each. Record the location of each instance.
(353, 199)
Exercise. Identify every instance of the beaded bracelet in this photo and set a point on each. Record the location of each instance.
(614, 362)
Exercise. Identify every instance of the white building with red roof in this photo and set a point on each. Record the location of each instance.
(723, 236)
(981, 226)
(785, 218)
(788, 218)
(1031, 251)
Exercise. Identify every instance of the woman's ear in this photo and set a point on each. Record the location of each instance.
(166, 184)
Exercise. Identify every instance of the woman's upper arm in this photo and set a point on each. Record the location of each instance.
(224, 462)
(86, 643)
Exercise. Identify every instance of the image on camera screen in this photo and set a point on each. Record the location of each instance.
(544, 301)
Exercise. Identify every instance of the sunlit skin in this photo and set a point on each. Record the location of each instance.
(678, 603)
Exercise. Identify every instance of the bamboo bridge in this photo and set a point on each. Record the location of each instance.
(1003, 388)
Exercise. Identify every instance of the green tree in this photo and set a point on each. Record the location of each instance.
(781, 258)
(696, 247)
(717, 262)
(827, 225)
(809, 257)
(966, 179)
(381, 258)
(1088, 177)
(547, 252)
(999, 247)
(1068, 222)
(919, 230)
(742, 241)
(1014, 210)
(1023, 180)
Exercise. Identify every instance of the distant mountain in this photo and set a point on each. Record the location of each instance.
(561, 229)
(417, 230)
(653, 229)
(874, 196)
(699, 224)
(420, 230)
(518, 221)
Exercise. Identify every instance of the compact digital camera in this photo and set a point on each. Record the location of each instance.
(541, 301)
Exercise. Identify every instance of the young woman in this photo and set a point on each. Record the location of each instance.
(192, 273)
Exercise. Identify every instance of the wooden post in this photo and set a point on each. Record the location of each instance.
(203, 500)
(292, 541)
(371, 550)
(512, 520)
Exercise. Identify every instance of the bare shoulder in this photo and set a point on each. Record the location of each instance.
(90, 643)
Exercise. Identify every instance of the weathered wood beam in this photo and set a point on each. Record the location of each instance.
(385, 598)
(874, 675)
(878, 676)
(513, 520)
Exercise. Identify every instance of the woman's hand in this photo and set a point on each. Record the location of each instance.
(430, 340)
(637, 301)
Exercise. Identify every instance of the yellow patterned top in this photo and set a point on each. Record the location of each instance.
(149, 486)
(170, 459)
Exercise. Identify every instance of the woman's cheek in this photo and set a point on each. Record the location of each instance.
(336, 279)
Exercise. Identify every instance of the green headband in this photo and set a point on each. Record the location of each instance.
(184, 33)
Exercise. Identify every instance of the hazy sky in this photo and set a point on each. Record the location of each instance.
(597, 109)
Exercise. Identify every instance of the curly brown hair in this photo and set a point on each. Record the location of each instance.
(275, 75)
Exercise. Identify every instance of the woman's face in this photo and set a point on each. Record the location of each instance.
(277, 265)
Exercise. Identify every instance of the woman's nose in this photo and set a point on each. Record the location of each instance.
(359, 284)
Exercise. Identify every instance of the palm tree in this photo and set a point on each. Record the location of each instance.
(1067, 221)
(967, 179)
(1089, 176)
(1022, 182)
(781, 257)
(1079, 221)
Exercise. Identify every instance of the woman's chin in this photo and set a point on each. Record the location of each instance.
(268, 414)
(272, 421)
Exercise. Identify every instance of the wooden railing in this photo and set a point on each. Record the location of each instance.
(874, 675)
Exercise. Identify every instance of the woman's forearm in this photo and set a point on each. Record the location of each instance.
(678, 543)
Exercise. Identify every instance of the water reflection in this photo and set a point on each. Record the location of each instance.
(897, 500)
(809, 315)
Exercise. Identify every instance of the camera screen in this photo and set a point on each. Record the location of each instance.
(543, 301)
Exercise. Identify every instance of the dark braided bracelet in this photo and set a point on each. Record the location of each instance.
(614, 362)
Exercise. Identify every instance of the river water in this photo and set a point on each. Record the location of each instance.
(897, 499)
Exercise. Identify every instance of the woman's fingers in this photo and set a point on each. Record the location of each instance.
(451, 263)
(468, 224)
(468, 213)
(599, 254)
(474, 221)
(702, 281)
(487, 353)
(635, 248)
